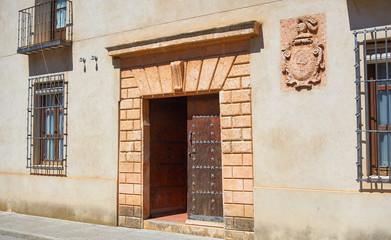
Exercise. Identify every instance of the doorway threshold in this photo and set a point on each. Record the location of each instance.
(179, 218)
(179, 223)
(204, 223)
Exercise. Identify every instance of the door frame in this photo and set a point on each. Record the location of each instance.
(146, 129)
(224, 73)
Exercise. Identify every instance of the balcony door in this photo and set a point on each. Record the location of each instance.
(49, 21)
(59, 19)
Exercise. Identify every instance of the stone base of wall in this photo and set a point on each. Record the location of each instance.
(236, 235)
(239, 224)
(130, 216)
(130, 222)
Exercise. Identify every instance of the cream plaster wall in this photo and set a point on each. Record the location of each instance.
(13, 100)
(89, 192)
(73, 198)
(312, 214)
(154, 18)
(302, 140)
(13, 105)
(308, 137)
(93, 100)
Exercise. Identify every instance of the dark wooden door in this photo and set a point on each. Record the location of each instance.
(204, 198)
(168, 184)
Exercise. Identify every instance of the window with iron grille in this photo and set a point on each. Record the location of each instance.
(373, 104)
(47, 125)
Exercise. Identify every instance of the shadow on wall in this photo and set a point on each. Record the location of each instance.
(368, 14)
(256, 44)
(53, 61)
(375, 187)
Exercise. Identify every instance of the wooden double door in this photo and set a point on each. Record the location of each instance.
(185, 157)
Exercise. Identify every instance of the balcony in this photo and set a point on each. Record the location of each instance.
(45, 26)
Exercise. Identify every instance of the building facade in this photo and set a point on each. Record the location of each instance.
(249, 119)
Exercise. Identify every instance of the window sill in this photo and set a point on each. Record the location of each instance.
(49, 164)
(377, 179)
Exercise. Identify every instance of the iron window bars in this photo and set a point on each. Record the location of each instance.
(47, 116)
(46, 25)
(373, 104)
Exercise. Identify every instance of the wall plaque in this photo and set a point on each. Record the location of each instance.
(303, 51)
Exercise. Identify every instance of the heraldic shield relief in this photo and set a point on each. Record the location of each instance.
(302, 57)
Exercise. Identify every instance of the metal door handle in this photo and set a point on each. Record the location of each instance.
(190, 137)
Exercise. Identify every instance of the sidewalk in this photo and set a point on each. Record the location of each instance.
(37, 228)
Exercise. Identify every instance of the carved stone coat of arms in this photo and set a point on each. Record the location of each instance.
(303, 56)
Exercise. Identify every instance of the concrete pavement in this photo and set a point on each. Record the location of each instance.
(40, 228)
(5, 237)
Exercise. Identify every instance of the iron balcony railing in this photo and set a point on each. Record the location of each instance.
(45, 26)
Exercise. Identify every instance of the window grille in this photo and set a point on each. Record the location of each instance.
(47, 115)
(373, 104)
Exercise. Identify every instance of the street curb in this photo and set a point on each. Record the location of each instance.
(24, 235)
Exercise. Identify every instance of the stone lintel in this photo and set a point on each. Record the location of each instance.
(234, 32)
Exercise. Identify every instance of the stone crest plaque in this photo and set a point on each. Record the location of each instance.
(303, 50)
